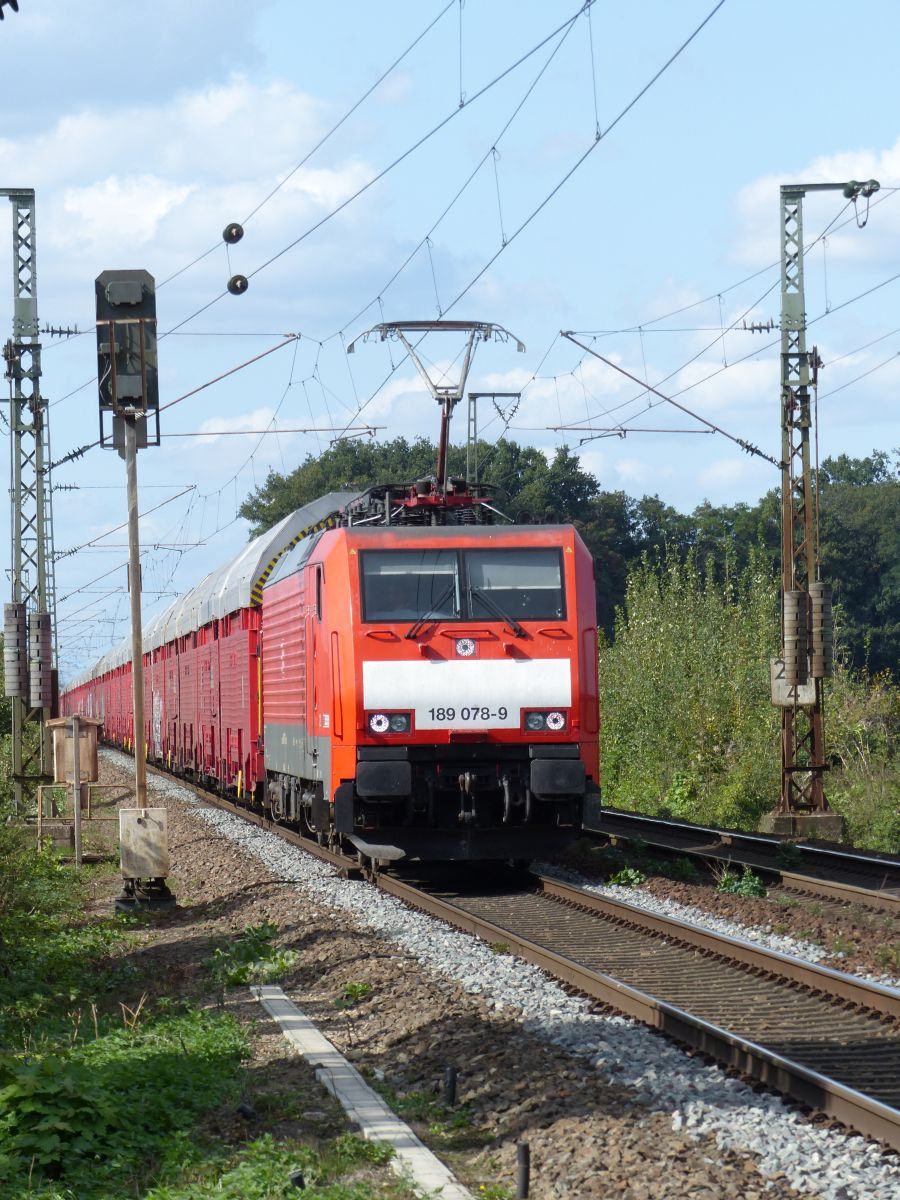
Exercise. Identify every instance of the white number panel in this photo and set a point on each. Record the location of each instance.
(470, 694)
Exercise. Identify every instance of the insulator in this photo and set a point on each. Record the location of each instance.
(40, 665)
(233, 232)
(238, 284)
(796, 667)
(822, 631)
(15, 650)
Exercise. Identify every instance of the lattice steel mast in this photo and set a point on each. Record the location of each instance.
(806, 601)
(31, 574)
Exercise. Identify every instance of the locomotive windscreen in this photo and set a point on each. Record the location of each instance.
(526, 582)
(404, 585)
(408, 585)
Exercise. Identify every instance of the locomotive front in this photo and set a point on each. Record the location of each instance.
(473, 671)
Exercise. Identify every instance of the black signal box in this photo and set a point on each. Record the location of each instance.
(127, 367)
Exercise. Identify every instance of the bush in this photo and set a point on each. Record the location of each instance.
(688, 726)
(745, 884)
(628, 877)
(689, 729)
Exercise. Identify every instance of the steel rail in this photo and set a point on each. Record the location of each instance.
(818, 1092)
(846, 1105)
(864, 993)
(727, 847)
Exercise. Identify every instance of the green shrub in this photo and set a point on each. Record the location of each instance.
(628, 877)
(689, 729)
(687, 721)
(745, 884)
(251, 958)
(788, 856)
(89, 1112)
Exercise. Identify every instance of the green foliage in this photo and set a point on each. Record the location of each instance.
(263, 1169)
(628, 877)
(863, 738)
(745, 884)
(681, 796)
(680, 868)
(788, 856)
(352, 994)
(86, 1113)
(251, 958)
(860, 544)
(453, 1127)
(688, 725)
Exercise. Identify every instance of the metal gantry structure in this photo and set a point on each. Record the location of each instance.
(447, 394)
(32, 575)
(806, 600)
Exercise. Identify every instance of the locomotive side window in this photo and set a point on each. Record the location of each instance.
(525, 583)
(406, 585)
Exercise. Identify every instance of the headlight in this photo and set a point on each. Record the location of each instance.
(534, 721)
(556, 721)
(390, 722)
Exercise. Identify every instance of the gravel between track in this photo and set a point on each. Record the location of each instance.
(608, 1107)
(665, 906)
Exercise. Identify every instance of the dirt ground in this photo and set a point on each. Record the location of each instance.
(588, 1137)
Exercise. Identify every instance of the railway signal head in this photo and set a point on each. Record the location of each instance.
(127, 371)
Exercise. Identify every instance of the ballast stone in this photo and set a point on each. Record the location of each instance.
(700, 1096)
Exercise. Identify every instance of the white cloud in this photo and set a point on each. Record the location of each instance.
(121, 210)
(259, 418)
(725, 474)
(637, 471)
(757, 241)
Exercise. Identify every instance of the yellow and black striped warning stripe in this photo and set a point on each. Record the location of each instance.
(256, 592)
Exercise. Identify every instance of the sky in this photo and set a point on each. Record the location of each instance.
(519, 162)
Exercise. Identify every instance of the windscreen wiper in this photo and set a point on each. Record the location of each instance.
(495, 608)
(416, 628)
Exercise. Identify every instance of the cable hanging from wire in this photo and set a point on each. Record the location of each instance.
(568, 175)
(379, 175)
(742, 442)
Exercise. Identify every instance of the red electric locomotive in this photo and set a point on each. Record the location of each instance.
(431, 691)
(386, 668)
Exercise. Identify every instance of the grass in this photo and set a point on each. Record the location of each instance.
(265, 1169)
(888, 958)
(109, 1089)
(449, 1128)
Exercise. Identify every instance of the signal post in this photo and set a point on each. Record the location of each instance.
(129, 420)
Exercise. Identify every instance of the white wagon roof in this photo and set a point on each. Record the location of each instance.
(236, 584)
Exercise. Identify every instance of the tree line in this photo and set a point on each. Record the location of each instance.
(859, 520)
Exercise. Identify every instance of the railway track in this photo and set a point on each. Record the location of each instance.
(846, 877)
(825, 1039)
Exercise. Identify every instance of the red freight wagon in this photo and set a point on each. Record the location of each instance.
(202, 671)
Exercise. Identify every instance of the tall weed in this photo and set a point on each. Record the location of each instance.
(688, 726)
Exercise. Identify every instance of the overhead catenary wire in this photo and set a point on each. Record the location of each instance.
(379, 175)
(100, 536)
(325, 137)
(468, 180)
(568, 175)
(742, 442)
(754, 353)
